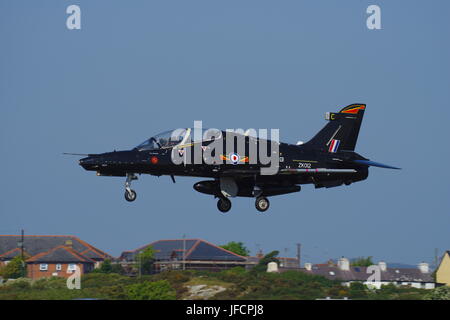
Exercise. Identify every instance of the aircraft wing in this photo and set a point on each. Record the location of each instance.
(240, 172)
(318, 170)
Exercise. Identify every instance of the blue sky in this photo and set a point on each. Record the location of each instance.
(136, 69)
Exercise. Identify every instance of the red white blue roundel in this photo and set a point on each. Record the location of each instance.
(234, 158)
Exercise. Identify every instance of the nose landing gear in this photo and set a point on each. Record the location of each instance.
(130, 194)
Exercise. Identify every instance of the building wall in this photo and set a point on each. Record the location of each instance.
(378, 284)
(429, 285)
(288, 263)
(423, 285)
(33, 271)
(443, 272)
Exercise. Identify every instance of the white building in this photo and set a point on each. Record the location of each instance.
(375, 276)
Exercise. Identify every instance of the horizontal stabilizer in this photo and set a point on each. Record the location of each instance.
(374, 164)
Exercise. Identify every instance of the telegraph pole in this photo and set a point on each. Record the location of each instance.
(299, 247)
(21, 244)
(436, 258)
(184, 252)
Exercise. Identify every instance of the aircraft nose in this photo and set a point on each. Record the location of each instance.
(90, 162)
(108, 161)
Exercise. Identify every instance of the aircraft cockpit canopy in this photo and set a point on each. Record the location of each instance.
(167, 139)
(172, 138)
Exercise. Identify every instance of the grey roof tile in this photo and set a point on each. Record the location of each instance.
(34, 245)
(60, 254)
(196, 249)
(360, 274)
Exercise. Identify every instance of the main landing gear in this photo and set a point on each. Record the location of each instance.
(130, 194)
(261, 204)
(224, 204)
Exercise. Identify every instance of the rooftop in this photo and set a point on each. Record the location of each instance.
(60, 254)
(189, 249)
(36, 244)
(361, 274)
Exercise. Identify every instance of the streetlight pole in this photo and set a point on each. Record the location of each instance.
(184, 252)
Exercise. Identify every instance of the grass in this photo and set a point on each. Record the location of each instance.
(239, 284)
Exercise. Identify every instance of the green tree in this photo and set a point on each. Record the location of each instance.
(108, 267)
(357, 290)
(105, 267)
(16, 268)
(262, 264)
(388, 289)
(441, 293)
(145, 259)
(362, 262)
(236, 247)
(117, 268)
(157, 290)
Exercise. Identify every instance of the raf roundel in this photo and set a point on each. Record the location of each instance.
(154, 160)
(234, 158)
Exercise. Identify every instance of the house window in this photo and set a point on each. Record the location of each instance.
(71, 268)
(43, 267)
(176, 266)
(58, 267)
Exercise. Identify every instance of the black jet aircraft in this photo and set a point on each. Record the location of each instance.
(327, 160)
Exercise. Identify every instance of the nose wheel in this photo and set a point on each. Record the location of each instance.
(224, 205)
(262, 204)
(130, 194)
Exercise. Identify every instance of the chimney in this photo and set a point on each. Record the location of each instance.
(68, 243)
(272, 267)
(308, 266)
(260, 254)
(382, 265)
(344, 264)
(424, 267)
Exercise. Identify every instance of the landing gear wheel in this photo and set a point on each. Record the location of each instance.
(224, 205)
(262, 204)
(130, 195)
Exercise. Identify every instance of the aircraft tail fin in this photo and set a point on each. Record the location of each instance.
(341, 133)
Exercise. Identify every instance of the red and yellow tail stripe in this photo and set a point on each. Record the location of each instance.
(353, 109)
